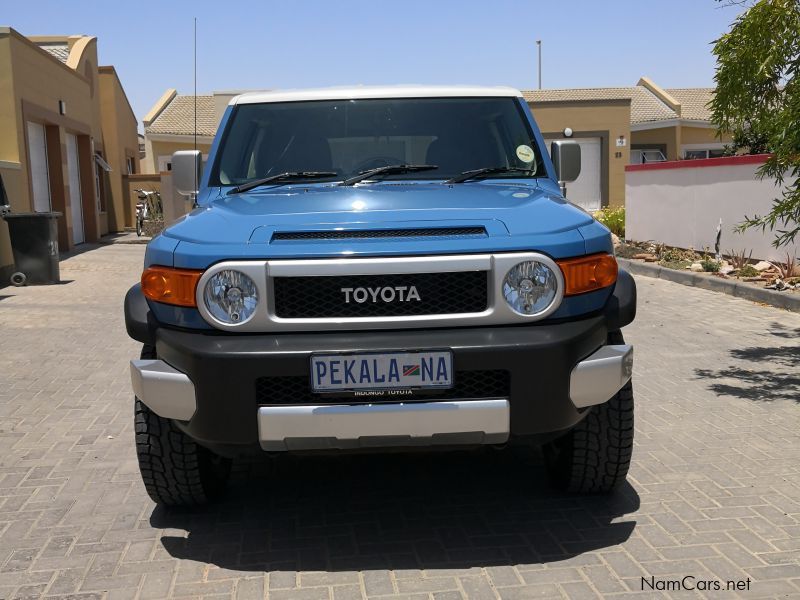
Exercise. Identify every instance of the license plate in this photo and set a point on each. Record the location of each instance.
(384, 371)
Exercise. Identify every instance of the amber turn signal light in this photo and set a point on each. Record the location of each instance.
(588, 273)
(171, 286)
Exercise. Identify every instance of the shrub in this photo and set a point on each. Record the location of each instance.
(614, 219)
(710, 266)
(678, 255)
(748, 271)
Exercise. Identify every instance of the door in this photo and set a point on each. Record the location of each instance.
(586, 190)
(75, 196)
(37, 159)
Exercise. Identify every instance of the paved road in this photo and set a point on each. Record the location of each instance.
(714, 492)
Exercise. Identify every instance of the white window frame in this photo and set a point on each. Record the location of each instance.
(701, 148)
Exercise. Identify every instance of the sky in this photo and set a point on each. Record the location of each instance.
(297, 44)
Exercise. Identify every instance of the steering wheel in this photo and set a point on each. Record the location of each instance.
(375, 162)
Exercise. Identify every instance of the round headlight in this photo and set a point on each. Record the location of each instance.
(231, 296)
(530, 287)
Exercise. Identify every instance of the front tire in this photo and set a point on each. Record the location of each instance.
(175, 469)
(595, 455)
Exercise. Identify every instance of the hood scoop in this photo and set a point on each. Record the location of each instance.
(362, 234)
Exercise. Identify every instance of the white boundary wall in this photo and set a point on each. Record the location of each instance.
(680, 204)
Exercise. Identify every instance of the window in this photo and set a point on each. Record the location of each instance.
(699, 153)
(101, 167)
(351, 136)
(640, 156)
(131, 165)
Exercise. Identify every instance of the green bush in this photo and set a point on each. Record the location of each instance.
(748, 271)
(709, 265)
(614, 219)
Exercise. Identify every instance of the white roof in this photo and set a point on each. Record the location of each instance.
(362, 92)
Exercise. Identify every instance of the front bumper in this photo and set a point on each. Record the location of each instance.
(171, 394)
(553, 373)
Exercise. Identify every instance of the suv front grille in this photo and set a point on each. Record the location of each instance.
(322, 297)
(468, 385)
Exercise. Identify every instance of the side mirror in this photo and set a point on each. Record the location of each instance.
(566, 156)
(4, 205)
(186, 171)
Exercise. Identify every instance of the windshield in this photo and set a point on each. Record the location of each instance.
(349, 137)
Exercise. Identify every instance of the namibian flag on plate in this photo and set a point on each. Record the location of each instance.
(410, 370)
(382, 371)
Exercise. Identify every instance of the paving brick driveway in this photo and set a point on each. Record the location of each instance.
(714, 491)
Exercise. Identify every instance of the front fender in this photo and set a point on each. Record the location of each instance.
(139, 320)
(620, 310)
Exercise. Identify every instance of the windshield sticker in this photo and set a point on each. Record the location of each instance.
(525, 153)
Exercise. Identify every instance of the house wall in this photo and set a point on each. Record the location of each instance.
(120, 140)
(680, 204)
(156, 148)
(32, 82)
(660, 137)
(675, 137)
(608, 119)
(702, 135)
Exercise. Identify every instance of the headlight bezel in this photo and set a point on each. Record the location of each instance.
(240, 293)
(504, 263)
(519, 287)
(247, 269)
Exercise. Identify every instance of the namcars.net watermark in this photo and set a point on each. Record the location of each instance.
(691, 583)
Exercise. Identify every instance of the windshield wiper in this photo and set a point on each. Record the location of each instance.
(387, 170)
(288, 176)
(480, 173)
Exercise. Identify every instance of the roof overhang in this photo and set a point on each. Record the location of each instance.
(178, 137)
(374, 92)
(671, 123)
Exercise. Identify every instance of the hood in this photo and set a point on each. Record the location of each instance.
(502, 208)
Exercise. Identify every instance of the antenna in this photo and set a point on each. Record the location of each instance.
(539, 47)
(195, 107)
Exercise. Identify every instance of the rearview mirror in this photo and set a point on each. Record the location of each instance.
(566, 156)
(186, 171)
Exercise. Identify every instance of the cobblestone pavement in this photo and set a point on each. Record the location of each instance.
(714, 490)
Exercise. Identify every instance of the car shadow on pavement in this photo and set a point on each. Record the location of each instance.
(764, 373)
(395, 511)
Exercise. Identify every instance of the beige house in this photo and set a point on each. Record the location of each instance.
(628, 125)
(170, 126)
(614, 126)
(68, 136)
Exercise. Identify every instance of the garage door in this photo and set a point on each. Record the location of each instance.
(586, 191)
(37, 158)
(74, 189)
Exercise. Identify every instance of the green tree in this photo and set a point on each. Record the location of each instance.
(758, 98)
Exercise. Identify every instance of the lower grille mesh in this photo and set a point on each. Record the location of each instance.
(468, 384)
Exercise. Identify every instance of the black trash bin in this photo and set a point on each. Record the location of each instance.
(34, 242)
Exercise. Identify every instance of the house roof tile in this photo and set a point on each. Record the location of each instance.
(177, 118)
(59, 51)
(645, 106)
(694, 102)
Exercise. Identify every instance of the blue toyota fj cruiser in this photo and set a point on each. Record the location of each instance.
(380, 267)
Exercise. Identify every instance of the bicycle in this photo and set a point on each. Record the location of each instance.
(149, 203)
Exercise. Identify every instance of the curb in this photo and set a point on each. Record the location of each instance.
(785, 300)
